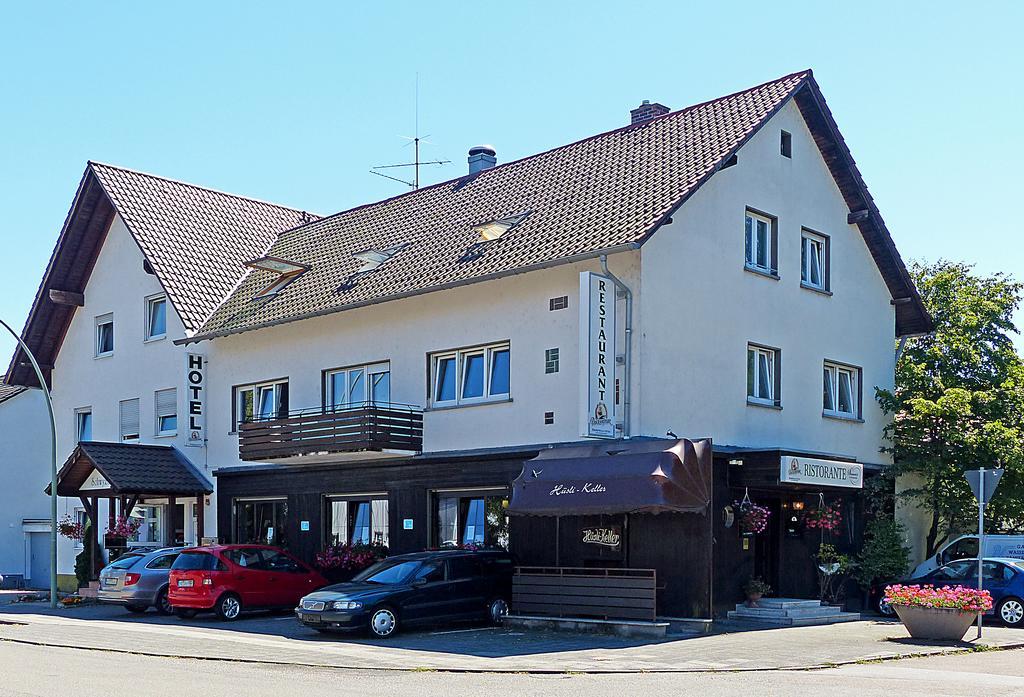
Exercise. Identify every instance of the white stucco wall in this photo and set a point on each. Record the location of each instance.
(25, 472)
(137, 368)
(701, 307)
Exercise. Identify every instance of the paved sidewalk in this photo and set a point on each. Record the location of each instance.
(279, 639)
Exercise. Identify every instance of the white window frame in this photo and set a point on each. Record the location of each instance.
(101, 320)
(256, 389)
(368, 371)
(151, 302)
(460, 355)
(772, 356)
(834, 373)
(808, 241)
(133, 438)
(752, 264)
(158, 415)
(79, 414)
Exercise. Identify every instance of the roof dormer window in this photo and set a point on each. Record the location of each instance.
(287, 272)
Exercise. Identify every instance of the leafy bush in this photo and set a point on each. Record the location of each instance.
(883, 557)
(83, 562)
(757, 586)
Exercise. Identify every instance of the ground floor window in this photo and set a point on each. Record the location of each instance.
(357, 520)
(471, 518)
(261, 522)
(151, 524)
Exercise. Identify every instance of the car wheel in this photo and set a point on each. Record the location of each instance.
(136, 609)
(383, 622)
(185, 613)
(163, 605)
(229, 607)
(1011, 612)
(885, 609)
(496, 610)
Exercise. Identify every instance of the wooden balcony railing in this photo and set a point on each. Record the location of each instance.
(374, 427)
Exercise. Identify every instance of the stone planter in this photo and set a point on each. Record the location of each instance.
(943, 624)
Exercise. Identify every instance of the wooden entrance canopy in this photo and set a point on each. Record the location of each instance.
(126, 473)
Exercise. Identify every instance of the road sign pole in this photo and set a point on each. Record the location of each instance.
(981, 538)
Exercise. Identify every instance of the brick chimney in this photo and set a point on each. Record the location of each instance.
(647, 111)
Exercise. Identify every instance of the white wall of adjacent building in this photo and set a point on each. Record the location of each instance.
(136, 369)
(25, 471)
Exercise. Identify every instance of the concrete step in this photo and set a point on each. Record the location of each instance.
(756, 621)
(786, 603)
(767, 612)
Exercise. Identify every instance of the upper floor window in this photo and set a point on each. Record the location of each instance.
(156, 317)
(786, 144)
(365, 384)
(83, 423)
(260, 402)
(104, 335)
(841, 394)
(761, 249)
(166, 412)
(763, 384)
(129, 417)
(814, 261)
(467, 376)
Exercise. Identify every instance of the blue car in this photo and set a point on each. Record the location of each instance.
(1002, 577)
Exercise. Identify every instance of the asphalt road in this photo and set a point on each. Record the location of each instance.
(47, 672)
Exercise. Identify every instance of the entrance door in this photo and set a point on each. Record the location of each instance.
(39, 561)
(766, 545)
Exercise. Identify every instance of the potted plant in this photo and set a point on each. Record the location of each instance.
(340, 562)
(751, 518)
(755, 589)
(117, 535)
(833, 571)
(943, 613)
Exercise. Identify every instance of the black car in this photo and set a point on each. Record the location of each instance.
(411, 589)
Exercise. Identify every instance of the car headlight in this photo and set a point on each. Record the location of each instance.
(346, 604)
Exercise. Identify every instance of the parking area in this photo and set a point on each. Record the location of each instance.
(277, 638)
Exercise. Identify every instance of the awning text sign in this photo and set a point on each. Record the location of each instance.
(805, 470)
(597, 354)
(95, 482)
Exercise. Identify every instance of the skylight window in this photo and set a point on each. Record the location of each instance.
(373, 258)
(496, 229)
(276, 265)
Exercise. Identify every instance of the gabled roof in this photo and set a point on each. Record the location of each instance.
(603, 194)
(130, 468)
(195, 239)
(9, 391)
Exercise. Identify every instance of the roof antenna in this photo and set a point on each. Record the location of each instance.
(415, 140)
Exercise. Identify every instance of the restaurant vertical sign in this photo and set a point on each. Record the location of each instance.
(195, 399)
(597, 354)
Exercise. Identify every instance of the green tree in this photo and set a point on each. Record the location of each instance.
(958, 403)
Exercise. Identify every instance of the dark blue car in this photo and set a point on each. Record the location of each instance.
(1003, 578)
(423, 588)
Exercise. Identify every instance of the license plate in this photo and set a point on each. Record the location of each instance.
(186, 583)
(110, 581)
(306, 617)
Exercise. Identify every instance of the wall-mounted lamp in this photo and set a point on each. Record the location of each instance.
(798, 505)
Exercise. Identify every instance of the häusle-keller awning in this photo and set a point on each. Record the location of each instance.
(652, 476)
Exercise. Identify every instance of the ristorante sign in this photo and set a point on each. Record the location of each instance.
(597, 354)
(805, 470)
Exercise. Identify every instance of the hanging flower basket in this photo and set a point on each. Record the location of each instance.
(943, 614)
(826, 518)
(71, 529)
(751, 518)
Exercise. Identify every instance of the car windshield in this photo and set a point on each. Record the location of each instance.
(195, 561)
(126, 562)
(391, 573)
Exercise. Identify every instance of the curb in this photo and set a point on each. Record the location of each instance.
(521, 671)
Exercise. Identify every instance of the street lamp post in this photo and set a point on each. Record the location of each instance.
(53, 463)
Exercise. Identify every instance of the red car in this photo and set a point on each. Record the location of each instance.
(231, 578)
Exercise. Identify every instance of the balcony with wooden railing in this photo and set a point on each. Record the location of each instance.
(370, 428)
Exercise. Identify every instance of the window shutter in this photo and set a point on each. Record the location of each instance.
(167, 402)
(130, 419)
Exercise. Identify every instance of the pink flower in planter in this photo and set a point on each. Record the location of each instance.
(942, 597)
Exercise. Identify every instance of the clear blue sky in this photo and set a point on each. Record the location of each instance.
(293, 102)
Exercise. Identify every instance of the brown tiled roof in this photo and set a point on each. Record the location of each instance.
(195, 239)
(132, 468)
(604, 193)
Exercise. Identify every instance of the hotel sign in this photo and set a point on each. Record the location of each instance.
(597, 354)
(195, 399)
(805, 470)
